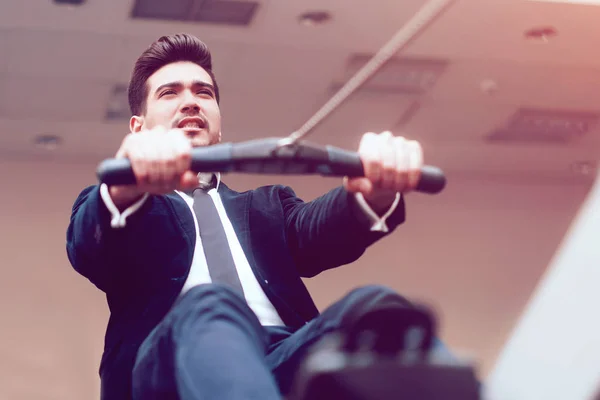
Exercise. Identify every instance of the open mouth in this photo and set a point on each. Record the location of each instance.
(192, 124)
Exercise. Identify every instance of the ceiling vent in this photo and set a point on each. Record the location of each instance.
(398, 75)
(545, 126)
(228, 12)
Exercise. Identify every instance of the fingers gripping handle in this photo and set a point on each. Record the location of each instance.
(344, 162)
(115, 171)
(258, 157)
(118, 171)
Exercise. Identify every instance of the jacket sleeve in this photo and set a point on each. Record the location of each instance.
(331, 230)
(95, 249)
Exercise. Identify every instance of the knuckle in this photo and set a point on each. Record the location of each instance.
(170, 162)
(373, 165)
(141, 176)
(369, 158)
(369, 138)
(400, 141)
(388, 164)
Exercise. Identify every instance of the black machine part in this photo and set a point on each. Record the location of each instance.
(268, 156)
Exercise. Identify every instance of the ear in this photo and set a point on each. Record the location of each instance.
(136, 123)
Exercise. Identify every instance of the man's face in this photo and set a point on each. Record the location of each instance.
(181, 95)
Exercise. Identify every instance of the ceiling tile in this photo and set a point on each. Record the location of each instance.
(494, 82)
(78, 138)
(3, 50)
(53, 99)
(226, 56)
(271, 90)
(62, 54)
(362, 112)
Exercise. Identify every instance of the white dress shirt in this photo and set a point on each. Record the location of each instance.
(255, 296)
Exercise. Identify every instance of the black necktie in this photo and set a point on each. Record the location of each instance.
(214, 241)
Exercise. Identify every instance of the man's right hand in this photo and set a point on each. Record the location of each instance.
(160, 160)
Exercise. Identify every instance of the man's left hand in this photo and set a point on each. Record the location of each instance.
(392, 165)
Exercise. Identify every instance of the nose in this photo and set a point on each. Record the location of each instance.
(188, 108)
(190, 105)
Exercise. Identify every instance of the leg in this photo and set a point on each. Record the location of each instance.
(285, 356)
(209, 346)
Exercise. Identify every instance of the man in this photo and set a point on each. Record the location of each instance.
(175, 331)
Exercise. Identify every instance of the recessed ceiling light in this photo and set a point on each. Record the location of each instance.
(489, 86)
(47, 142)
(313, 18)
(541, 34)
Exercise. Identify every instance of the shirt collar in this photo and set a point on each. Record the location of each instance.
(205, 177)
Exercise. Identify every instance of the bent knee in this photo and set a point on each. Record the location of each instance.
(374, 290)
(209, 301)
(380, 294)
(209, 292)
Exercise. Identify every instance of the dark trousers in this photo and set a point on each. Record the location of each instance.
(212, 346)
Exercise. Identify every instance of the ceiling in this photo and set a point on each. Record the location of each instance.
(476, 251)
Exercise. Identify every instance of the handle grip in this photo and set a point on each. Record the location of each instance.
(118, 171)
(265, 156)
(348, 163)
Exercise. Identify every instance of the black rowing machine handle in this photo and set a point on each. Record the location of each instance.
(270, 156)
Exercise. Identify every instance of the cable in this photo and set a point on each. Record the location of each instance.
(424, 17)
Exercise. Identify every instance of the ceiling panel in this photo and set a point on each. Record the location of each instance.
(363, 112)
(107, 16)
(443, 122)
(271, 90)
(362, 28)
(281, 67)
(57, 54)
(225, 55)
(3, 50)
(79, 139)
(53, 99)
(494, 83)
(494, 30)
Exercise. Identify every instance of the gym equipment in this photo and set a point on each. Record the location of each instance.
(362, 363)
(266, 156)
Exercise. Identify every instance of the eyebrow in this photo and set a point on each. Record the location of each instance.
(179, 85)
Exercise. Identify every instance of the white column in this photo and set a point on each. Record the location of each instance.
(554, 351)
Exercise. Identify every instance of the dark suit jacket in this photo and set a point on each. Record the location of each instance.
(143, 266)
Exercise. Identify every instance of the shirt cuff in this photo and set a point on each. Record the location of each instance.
(119, 219)
(378, 223)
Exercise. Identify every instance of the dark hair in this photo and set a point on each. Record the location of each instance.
(166, 50)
